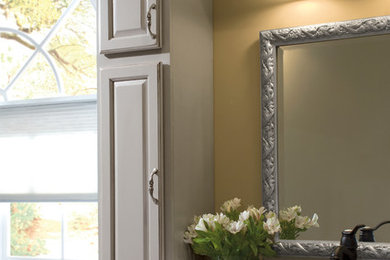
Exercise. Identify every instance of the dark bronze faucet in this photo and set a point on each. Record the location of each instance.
(348, 245)
(367, 233)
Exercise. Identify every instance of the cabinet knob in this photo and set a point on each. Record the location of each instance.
(149, 18)
(151, 185)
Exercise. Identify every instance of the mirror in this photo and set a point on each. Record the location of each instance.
(325, 132)
(334, 133)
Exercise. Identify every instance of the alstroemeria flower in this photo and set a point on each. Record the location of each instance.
(190, 234)
(314, 221)
(244, 215)
(270, 214)
(302, 222)
(201, 226)
(210, 220)
(272, 224)
(230, 205)
(235, 226)
(256, 213)
(222, 219)
(290, 213)
(296, 208)
(262, 210)
(306, 222)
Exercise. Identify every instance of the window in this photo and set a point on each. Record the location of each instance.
(48, 130)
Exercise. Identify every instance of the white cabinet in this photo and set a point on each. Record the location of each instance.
(132, 227)
(131, 163)
(129, 25)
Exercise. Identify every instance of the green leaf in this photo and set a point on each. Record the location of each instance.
(254, 248)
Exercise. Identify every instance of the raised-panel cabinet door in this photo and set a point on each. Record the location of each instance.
(130, 163)
(129, 25)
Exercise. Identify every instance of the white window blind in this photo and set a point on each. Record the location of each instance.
(49, 151)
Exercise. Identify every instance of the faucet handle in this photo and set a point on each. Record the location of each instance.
(367, 233)
(348, 238)
(354, 230)
(381, 224)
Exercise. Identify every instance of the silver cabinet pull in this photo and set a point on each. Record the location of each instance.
(149, 18)
(151, 185)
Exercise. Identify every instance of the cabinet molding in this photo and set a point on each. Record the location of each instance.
(130, 149)
(126, 26)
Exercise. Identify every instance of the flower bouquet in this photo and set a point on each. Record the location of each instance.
(235, 235)
(292, 223)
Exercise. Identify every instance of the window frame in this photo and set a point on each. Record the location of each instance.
(67, 197)
(26, 197)
(5, 223)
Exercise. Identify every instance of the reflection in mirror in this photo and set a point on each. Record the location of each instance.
(333, 103)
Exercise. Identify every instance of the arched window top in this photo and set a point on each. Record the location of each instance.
(47, 49)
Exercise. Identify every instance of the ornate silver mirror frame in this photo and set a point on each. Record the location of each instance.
(269, 42)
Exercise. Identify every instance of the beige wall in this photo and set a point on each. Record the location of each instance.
(236, 79)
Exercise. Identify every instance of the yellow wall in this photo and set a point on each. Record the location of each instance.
(237, 79)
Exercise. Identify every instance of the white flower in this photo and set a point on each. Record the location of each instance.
(190, 234)
(290, 213)
(222, 219)
(235, 226)
(187, 238)
(272, 224)
(231, 205)
(270, 214)
(296, 208)
(208, 217)
(244, 215)
(210, 220)
(196, 219)
(314, 221)
(306, 222)
(262, 210)
(201, 226)
(285, 215)
(256, 213)
(302, 222)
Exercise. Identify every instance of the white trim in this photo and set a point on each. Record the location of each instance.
(74, 197)
(41, 50)
(3, 234)
(49, 101)
(34, 258)
(62, 235)
(68, 10)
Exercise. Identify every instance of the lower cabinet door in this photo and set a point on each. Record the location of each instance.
(130, 163)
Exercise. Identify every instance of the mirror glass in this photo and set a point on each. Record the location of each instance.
(334, 133)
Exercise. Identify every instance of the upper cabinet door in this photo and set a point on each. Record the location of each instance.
(129, 25)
